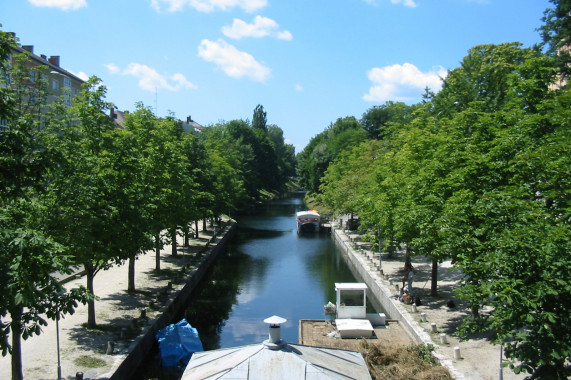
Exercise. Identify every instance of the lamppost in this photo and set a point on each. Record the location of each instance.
(60, 293)
(57, 335)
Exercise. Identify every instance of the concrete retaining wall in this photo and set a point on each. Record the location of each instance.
(142, 347)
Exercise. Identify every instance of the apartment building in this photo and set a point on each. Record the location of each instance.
(60, 83)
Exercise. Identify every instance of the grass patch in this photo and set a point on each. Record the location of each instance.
(414, 362)
(85, 361)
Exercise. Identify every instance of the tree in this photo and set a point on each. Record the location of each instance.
(84, 210)
(259, 119)
(556, 34)
(29, 255)
(376, 120)
(325, 147)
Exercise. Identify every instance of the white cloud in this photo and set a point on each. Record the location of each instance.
(83, 76)
(402, 82)
(406, 3)
(261, 27)
(113, 69)
(298, 87)
(209, 5)
(151, 80)
(233, 62)
(64, 5)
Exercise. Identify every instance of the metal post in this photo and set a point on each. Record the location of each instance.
(501, 357)
(57, 336)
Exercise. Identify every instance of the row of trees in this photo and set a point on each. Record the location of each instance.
(479, 174)
(77, 191)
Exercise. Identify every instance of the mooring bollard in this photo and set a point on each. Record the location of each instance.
(123, 333)
(457, 355)
(433, 326)
(423, 317)
(134, 322)
(414, 309)
(143, 313)
(110, 347)
(397, 287)
(443, 338)
(79, 376)
(169, 285)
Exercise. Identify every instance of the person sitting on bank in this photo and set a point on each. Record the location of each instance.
(406, 298)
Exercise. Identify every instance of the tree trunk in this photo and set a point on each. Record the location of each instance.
(196, 228)
(204, 224)
(158, 251)
(186, 237)
(16, 327)
(90, 275)
(131, 274)
(434, 280)
(407, 261)
(173, 239)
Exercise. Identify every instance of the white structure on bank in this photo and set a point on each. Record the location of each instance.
(351, 307)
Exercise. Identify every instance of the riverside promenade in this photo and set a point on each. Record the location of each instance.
(433, 322)
(126, 322)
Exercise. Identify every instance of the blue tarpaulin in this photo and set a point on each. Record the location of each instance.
(177, 343)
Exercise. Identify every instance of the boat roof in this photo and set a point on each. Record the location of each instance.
(350, 285)
(308, 212)
(292, 361)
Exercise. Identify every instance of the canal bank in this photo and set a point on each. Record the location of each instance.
(433, 322)
(126, 322)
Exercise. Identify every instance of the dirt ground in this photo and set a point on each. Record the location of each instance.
(317, 333)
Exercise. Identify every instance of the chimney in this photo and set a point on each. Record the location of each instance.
(275, 341)
(54, 60)
(188, 119)
(28, 48)
(44, 57)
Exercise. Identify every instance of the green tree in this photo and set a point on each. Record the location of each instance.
(556, 34)
(259, 120)
(376, 119)
(326, 147)
(84, 210)
(29, 255)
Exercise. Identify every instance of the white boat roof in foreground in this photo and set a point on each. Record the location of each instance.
(291, 361)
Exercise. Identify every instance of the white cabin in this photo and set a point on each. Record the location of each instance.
(351, 300)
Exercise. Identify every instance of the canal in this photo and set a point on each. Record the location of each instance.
(268, 269)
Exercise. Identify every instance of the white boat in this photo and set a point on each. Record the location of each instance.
(308, 221)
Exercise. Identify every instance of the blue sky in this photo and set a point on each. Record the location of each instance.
(308, 62)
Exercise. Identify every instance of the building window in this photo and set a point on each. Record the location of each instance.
(55, 84)
(66, 82)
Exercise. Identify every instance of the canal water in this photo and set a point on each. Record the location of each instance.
(268, 269)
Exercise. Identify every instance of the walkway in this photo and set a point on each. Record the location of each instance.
(118, 314)
(478, 358)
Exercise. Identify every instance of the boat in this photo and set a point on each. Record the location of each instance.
(308, 221)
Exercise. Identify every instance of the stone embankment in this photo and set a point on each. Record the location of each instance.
(127, 323)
